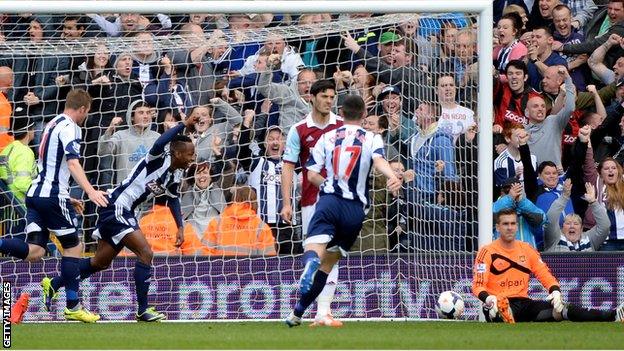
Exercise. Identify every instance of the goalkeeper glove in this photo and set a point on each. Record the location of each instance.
(491, 305)
(555, 299)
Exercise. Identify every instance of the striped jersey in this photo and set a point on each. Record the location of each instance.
(60, 143)
(148, 179)
(266, 178)
(347, 155)
(301, 139)
(505, 167)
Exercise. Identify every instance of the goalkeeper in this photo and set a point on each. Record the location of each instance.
(501, 276)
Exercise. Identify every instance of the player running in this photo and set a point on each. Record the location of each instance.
(347, 155)
(502, 271)
(300, 140)
(48, 205)
(158, 174)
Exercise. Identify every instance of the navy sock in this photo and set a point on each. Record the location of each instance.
(70, 274)
(14, 247)
(309, 256)
(320, 278)
(142, 275)
(86, 270)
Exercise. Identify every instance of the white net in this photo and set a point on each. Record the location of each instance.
(145, 72)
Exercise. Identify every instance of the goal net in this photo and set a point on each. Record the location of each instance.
(145, 72)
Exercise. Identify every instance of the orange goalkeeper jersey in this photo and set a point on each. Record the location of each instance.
(506, 272)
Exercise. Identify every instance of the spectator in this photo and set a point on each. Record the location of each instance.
(129, 147)
(290, 60)
(238, 231)
(466, 67)
(545, 131)
(396, 69)
(202, 196)
(424, 46)
(128, 23)
(609, 181)
(6, 110)
(168, 91)
(509, 47)
(210, 133)
(445, 59)
(145, 58)
(293, 102)
(571, 237)
(582, 12)
(511, 96)
(426, 148)
(543, 16)
(73, 28)
(265, 171)
(17, 160)
(613, 24)
(519, 10)
(509, 164)
(311, 53)
(597, 65)
(400, 125)
(455, 119)
(619, 154)
(542, 56)
(379, 125)
(531, 218)
(566, 33)
(363, 82)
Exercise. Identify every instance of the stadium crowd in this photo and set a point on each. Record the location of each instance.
(558, 126)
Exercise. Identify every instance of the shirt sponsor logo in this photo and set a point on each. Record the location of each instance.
(480, 268)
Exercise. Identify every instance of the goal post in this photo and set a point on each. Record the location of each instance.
(197, 287)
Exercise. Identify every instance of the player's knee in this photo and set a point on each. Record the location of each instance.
(35, 253)
(558, 316)
(99, 265)
(145, 255)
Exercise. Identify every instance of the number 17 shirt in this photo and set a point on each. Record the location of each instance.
(347, 155)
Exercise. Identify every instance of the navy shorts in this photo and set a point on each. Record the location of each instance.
(51, 214)
(113, 224)
(336, 222)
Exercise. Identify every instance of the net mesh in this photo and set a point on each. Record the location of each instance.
(410, 249)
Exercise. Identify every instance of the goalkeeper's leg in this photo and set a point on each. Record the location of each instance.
(579, 314)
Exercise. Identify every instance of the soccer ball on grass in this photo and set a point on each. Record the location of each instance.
(450, 305)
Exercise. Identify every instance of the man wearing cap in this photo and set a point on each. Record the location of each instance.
(6, 82)
(17, 160)
(395, 68)
(400, 126)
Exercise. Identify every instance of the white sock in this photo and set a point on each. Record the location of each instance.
(326, 297)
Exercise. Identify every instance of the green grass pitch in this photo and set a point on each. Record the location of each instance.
(353, 335)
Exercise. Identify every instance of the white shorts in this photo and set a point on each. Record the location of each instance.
(306, 216)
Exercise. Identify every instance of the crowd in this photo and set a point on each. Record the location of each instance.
(556, 114)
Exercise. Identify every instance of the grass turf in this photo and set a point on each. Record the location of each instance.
(354, 335)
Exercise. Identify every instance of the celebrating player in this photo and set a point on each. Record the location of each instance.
(48, 205)
(300, 140)
(501, 280)
(347, 154)
(159, 173)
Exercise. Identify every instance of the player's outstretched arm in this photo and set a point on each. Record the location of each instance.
(315, 178)
(98, 197)
(393, 184)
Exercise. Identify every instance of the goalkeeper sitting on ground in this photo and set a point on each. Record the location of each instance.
(501, 276)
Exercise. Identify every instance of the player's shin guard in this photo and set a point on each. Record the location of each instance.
(326, 296)
(320, 278)
(579, 314)
(142, 275)
(70, 274)
(14, 247)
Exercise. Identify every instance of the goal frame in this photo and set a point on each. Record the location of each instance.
(484, 9)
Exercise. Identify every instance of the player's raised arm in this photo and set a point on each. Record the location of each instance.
(166, 137)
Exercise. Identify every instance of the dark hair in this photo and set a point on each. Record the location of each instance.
(245, 194)
(322, 85)
(382, 122)
(545, 164)
(79, 20)
(141, 103)
(180, 140)
(504, 212)
(353, 108)
(516, 21)
(517, 64)
(546, 29)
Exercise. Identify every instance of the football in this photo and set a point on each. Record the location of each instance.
(450, 305)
